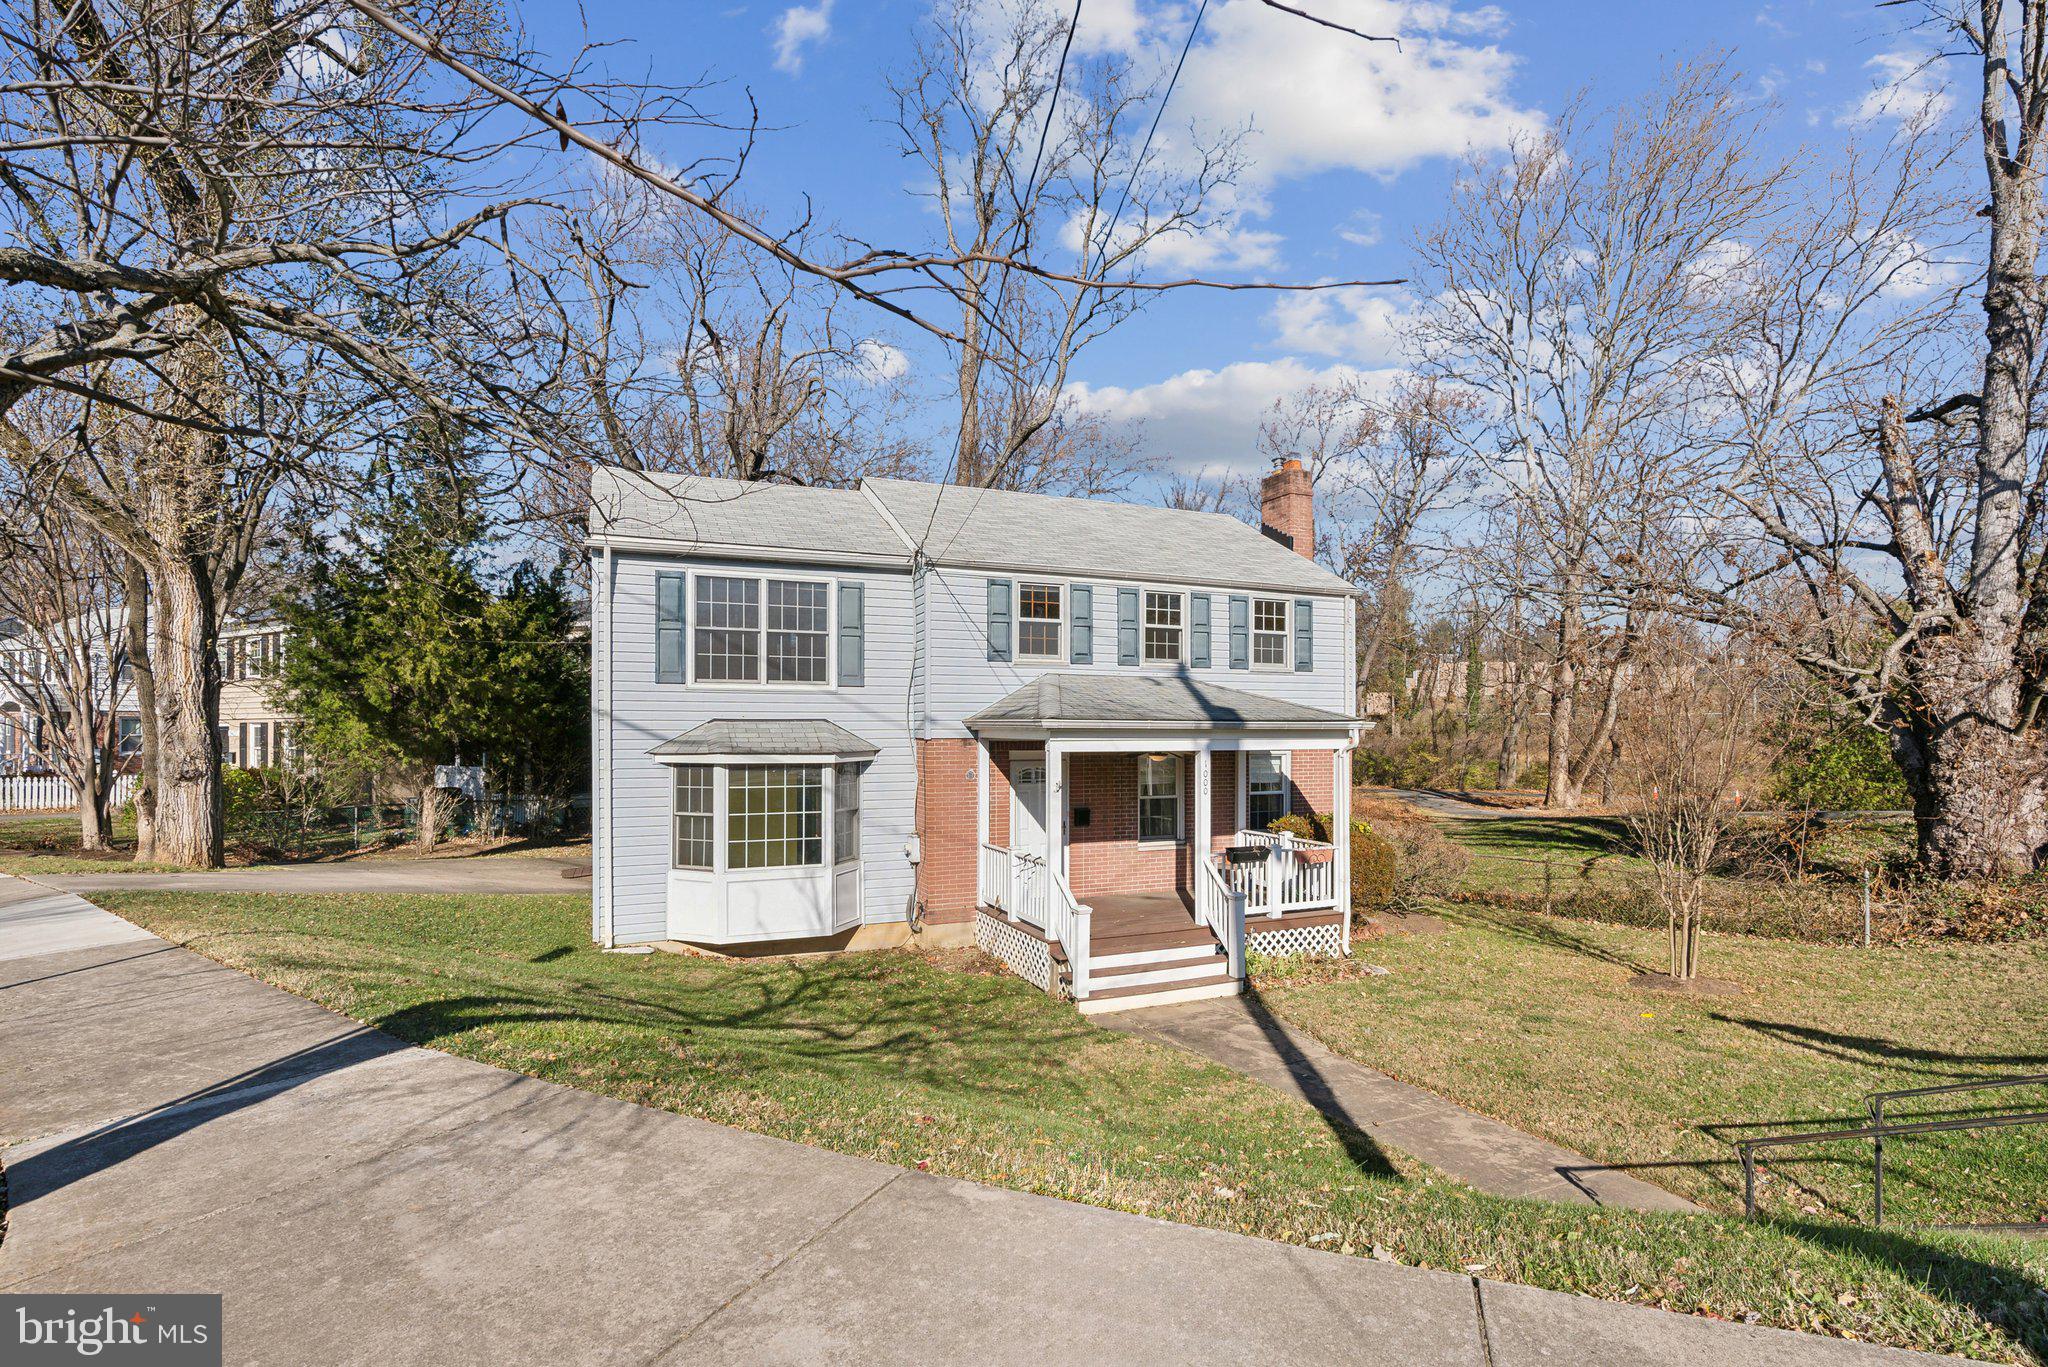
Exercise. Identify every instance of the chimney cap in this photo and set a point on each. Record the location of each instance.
(1286, 462)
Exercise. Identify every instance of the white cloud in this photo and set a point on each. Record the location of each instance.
(1361, 229)
(800, 26)
(1207, 421)
(1109, 26)
(1358, 325)
(1912, 272)
(1321, 101)
(878, 362)
(1907, 84)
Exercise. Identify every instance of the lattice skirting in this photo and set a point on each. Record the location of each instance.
(1029, 957)
(1324, 939)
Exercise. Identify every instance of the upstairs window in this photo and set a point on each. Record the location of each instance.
(1038, 621)
(1158, 797)
(728, 629)
(1265, 795)
(1269, 633)
(1165, 616)
(749, 630)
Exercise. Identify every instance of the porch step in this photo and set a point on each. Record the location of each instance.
(1104, 1000)
(1113, 940)
(1155, 973)
(1121, 956)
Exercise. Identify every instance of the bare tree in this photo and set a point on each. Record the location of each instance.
(1011, 172)
(1577, 290)
(64, 657)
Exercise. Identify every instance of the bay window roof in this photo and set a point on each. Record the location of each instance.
(767, 739)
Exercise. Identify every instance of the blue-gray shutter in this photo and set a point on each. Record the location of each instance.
(669, 630)
(1304, 635)
(999, 619)
(1081, 629)
(1126, 626)
(853, 640)
(1240, 633)
(1198, 632)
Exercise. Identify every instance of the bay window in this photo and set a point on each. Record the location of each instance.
(775, 816)
(845, 813)
(695, 813)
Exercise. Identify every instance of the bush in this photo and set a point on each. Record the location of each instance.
(1374, 863)
(1428, 865)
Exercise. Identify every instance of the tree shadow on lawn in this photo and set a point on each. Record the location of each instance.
(1566, 839)
(1546, 932)
(1869, 1050)
(1359, 1147)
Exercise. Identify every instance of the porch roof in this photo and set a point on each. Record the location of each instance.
(1115, 701)
(811, 736)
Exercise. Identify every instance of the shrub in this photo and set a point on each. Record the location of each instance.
(1427, 863)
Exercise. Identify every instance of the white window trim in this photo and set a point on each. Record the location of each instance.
(1244, 783)
(760, 578)
(1059, 588)
(1180, 806)
(721, 767)
(1285, 664)
(1186, 628)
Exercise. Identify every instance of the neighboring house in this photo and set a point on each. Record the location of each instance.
(823, 717)
(253, 730)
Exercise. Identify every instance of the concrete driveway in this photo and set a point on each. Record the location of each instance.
(169, 1125)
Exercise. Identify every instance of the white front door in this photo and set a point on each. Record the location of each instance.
(1027, 803)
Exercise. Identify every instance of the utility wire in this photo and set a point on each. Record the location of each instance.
(1157, 114)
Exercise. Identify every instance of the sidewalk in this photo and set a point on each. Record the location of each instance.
(1239, 1033)
(177, 1126)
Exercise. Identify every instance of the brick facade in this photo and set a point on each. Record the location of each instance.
(1104, 856)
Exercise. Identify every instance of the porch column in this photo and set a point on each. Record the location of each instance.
(981, 762)
(1340, 836)
(1055, 814)
(1203, 818)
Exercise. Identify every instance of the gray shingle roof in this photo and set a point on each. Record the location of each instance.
(1002, 529)
(807, 737)
(775, 518)
(1055, 700)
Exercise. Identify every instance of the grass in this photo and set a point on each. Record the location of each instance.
(937, 1065)
(1531, 1019)
(36, 845)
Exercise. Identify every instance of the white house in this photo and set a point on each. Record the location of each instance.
(833, 718)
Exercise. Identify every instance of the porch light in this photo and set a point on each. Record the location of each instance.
(1159, 759)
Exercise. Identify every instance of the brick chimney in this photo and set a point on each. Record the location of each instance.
(1287, 507)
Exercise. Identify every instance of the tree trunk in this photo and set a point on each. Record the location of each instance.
(1982, 801)
(135, 593)
(430, 816)
(184, 636)
(92, 814)
(1559, 789)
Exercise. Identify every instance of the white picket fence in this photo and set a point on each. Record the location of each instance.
(48, 793)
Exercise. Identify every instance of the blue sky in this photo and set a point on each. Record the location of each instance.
(1353, 145)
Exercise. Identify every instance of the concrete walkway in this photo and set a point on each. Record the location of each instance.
(483, 874)
(168, 1124)
(1239, 1033)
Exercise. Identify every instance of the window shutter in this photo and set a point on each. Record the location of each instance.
(1240, 633)
(999, 619)
(668, 628)
(1126, 626)
(1198, 632)
(1304, 635)
(1081, 629)
(853, 645)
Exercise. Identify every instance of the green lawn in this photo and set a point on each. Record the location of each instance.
(1531, 1019)
(925, 1062)
(31, 845)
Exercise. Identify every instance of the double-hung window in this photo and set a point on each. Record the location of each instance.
(1038, 621)
(1265, 790)
(775, 816)
(845, 813)
(1165, 626)
(695, 810)
(1269, 632)
(1158, 797)
(749, 630)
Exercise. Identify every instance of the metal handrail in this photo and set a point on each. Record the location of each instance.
(1876, 1100)
(1746, 1148)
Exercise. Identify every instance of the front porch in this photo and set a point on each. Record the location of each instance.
(1122, 859)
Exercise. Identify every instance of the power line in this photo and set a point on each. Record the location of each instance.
(1157, 114)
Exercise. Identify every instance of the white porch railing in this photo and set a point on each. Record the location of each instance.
(1029, 896)
(1072, 924)
(1221, 908)
(993, 883)
(1296, 874)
